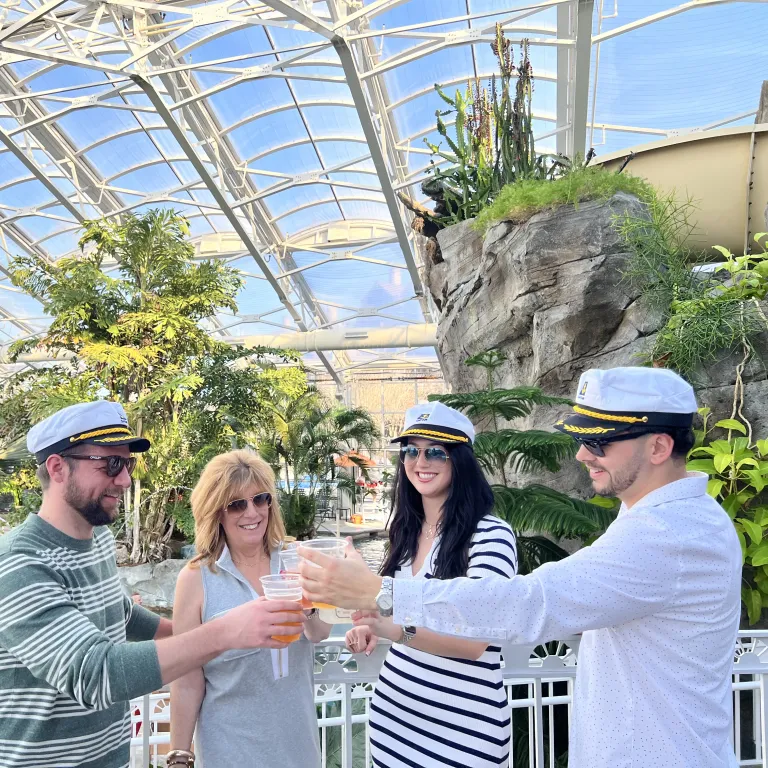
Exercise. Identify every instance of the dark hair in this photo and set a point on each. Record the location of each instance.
(470, 498)
(682, 439)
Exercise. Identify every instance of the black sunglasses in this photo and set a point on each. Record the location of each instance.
(114, 466)
(433, 453)
(597, 447)
(240, 505)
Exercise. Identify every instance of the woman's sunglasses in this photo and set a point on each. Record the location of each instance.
(410, 453)
(114, 464)
(240, 505)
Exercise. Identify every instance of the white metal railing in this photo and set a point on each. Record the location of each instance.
(539, 682)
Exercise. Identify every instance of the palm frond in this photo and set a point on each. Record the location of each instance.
(507, 403)
(533, 551)
(524, 450)
(539, 509)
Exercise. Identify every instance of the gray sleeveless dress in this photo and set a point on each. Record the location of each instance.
(248, 717)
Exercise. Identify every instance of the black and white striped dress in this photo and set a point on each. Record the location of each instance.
(429, 711)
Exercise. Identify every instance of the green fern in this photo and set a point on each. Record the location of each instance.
(533, 511)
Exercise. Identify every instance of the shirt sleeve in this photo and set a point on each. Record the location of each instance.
(629, 572)
(140, 624)
(42, 627)
(493, 551)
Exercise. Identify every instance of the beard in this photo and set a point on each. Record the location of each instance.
(92, 510)
(619, 480)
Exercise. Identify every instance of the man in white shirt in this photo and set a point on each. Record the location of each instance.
(657, 597)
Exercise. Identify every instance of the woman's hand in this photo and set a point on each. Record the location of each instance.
(379, 625)
(361, 639)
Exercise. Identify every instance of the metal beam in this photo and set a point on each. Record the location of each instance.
(584, 12)
(30, 18)
(377, 156)
(346, 57)
(310, 21)
(563, 69)
(180, 135)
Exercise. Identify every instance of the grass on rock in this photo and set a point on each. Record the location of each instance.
(521, 200)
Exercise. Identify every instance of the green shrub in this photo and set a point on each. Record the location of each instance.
(524, 198)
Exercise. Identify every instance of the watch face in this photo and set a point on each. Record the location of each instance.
(384, 602)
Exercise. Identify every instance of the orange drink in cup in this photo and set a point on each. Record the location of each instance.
(284, 586)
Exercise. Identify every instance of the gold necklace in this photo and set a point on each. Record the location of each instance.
(431, 530)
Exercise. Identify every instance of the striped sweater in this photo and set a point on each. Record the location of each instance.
(66, 670)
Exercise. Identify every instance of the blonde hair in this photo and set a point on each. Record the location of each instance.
(226, 478)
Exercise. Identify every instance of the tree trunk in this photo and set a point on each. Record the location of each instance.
(127, 513)
(136, 547)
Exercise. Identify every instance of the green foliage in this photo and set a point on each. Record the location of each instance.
(738, 472)
(705, 313)
(661, 257)
(527, 196)
(303, 438)
(532, 510)
(299, 514)
(492, 143)
(137, 337)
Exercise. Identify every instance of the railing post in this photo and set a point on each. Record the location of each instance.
(538, 715)
(146, 729)
(346, 758)
(763, 721)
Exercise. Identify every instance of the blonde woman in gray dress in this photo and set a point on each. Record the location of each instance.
(246, 707)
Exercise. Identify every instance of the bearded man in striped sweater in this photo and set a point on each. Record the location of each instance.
(67, 671)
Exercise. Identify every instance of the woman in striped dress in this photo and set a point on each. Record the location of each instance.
(439, 700)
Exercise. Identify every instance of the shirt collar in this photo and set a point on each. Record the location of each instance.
(226, 563)
(692, 485)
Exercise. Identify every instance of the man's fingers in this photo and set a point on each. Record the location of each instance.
(281, 606)
(288, 617)
(307, 553)
(275, 644)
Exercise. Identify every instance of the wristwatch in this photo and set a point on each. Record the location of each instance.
(384, 600)
(408, 634)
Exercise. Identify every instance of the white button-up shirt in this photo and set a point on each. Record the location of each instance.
(658, 600)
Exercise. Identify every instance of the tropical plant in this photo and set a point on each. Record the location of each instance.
(135, 335)
(535, 511)
(738, 470)
(302, 441)
(493, 142)
(519, 201)
(721, 315)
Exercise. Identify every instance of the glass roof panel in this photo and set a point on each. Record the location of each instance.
(297, 129)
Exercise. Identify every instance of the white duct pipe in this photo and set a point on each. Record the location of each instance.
(327, 340)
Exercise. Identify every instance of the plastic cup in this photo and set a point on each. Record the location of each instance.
(289, 559)
(333, 548)
(283, 586)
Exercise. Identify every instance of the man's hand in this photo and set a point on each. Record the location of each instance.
(254, 624)
(346, 583)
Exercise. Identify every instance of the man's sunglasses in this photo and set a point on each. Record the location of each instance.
(238, 506)
(114, 466)
(410, 453)
(597, 447)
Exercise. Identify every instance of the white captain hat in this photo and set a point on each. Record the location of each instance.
(438, 422)
(102, 422)
(618, 401)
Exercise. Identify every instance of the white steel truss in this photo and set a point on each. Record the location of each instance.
(159, 75)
